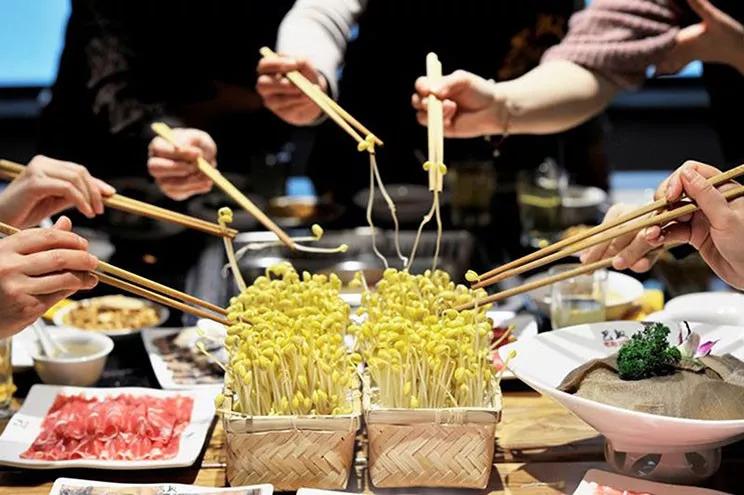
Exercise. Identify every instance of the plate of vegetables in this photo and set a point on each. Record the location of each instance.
(609, 374)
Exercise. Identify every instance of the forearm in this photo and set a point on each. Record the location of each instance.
(551, 98)
(319, 31)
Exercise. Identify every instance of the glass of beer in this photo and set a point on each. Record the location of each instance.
(577, 300)
(539, 194)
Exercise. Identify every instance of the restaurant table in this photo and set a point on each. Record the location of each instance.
(542, 449)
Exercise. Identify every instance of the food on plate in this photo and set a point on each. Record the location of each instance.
(421, 353)
(593, 488)
(187, 365)
(650, 375)
(112, 313)
(286, 346)
(119, 428)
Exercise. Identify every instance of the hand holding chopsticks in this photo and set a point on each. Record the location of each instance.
(146, 288)
(718, 235)
(11, 171)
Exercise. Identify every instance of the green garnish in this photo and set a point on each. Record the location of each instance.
(647, 354)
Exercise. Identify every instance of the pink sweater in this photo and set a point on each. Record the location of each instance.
(620, 38)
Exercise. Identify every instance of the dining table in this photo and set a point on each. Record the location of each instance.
(542, 448)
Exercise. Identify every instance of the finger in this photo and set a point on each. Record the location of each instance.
(678, 233)
(77, 178)
(452, 84)
(93, 190)
(35, 240)
(647, 262)
(52, 187)
(274, 65)
(710, 200)
(203, 143)
(423, 118)
(104, 188)
(165, 167)
(449, 110)
(422, 86)
(704, 9)
(58, 260)
(284, 102)
(267, 86)
(638, 249)
(68, 281)
(672, 187)
(416, 102)
(64, 224)
(161, 148)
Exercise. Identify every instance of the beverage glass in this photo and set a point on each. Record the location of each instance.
(577, 300)
(6, 377)
(539, 194)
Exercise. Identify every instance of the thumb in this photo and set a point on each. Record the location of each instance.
(63, 223)
(451, 85)
(704, 9)
(710, 200)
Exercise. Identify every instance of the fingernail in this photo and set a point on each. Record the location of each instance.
(583, 257)
(109, 189)
(618, 263)
(690, 173)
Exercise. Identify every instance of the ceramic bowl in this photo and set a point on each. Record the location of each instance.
(81, 371)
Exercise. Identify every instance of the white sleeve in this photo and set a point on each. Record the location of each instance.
(319, 31)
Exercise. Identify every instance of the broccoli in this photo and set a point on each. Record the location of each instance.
(647, 354)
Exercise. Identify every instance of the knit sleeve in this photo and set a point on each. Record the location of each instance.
(619, 39)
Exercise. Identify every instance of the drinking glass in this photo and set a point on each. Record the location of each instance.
(6, 377)
(471, 184)
(539, 194)
(579, 299)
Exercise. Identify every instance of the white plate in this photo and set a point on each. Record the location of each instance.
(163, 488)
(160, 368)
(543, 361)
(25, 426)
(620, 482)
(59, 317)
(623, 291)
(525, 326)
(718, 308)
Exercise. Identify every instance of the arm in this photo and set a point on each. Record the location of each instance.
(609, 46)
(312, 40)
(318, 30)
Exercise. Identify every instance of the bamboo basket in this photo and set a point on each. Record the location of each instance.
(437, 448)
(290, 452)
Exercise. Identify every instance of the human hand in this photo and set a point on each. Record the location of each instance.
(718, 37)
(48, 186)
(284, 98)
(38, 268)
(174, 168)
(470, 105)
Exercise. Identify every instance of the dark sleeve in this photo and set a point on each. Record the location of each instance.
(122, 79)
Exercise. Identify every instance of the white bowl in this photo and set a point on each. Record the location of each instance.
(623, 291)
(59, 317)
(80, 371)
(718, 308)
(543, 362)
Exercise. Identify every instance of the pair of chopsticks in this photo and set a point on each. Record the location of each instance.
(329, 106)
(165, 132)
(596, 235)
(435, 126)
(10, 171)
(148, 289)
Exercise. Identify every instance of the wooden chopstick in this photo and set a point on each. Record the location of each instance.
(659, 219)
(127, 281)
(327, 104)
(435, 125)
(644, 210)
(227, 187)
(536, 284)
(10, 171)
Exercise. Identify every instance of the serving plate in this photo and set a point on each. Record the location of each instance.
(25, 426)
(59, 316)
(543, 361)
(67, 486)
(622, 484)
(160, 366)
(623, 291)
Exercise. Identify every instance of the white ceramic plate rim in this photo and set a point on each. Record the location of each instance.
(25, 426)
(59, 317)
(620, 482)
(181, 489)
(160, 368)
(541, 386)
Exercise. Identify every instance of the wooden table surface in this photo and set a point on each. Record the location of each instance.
(542, 449)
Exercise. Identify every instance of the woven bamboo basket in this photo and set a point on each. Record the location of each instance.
(290, 452)
(438, 448)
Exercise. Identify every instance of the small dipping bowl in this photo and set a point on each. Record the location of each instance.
(80, 370)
